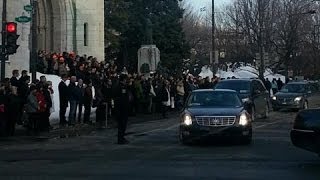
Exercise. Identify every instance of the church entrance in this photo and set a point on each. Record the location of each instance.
(51, 25)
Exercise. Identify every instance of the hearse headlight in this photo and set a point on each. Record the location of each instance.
(243, 120)
(297, 99)
(187, 120)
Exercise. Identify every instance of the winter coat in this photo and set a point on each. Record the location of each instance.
(14, 82)
(47, 96)
(138, 90)
(23, 92)
(180, 88)
(164, 94)
(32, 104)
(14, 103)
(87, 98)
(122, 100)
(41, 102)
(74, 92)
(62, 69)
(63, 94)
(3, 106)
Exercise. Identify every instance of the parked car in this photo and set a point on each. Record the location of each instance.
(294, 95)
(215, 113)
(306, 130)
(251, 91)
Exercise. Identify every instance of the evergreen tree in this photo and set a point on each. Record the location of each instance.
(116, 23)
(168, 35)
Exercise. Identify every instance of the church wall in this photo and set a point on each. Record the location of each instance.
(93, 14)
(20, 60)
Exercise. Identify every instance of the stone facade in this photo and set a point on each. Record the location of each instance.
(63, 25)
(148, 55)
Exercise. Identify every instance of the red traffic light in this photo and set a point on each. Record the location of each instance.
(11, 27)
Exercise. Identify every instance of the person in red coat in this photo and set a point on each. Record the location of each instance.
(42, 110)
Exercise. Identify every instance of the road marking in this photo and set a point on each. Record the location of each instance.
(268, 124)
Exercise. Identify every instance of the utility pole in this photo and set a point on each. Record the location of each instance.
(3, 55)
(34, 42)
(261, 4)
(213, 50)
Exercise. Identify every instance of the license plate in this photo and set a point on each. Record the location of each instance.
(284, 103)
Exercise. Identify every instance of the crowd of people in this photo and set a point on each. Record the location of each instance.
(275, 85)
(86, 83)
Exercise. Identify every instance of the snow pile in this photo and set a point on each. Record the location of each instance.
(226, 74)
(206, 72)
(244, 72)
(54, 118)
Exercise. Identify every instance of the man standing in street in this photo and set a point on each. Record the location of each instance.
(122, 108)
(63, 99)
(87, 101)
(81, 88)
(74, 97)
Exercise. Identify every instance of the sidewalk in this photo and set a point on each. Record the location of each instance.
(79, 129)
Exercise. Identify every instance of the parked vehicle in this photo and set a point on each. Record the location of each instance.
(294, 95)
(251, 91)
(215, 113)
(306, 130)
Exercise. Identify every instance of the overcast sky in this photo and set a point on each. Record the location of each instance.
(203, 3)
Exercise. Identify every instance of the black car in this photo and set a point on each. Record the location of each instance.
(294, 95)
(251, 91)
(306, 130)
(212, 113)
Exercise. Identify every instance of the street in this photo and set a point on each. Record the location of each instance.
(155, 152)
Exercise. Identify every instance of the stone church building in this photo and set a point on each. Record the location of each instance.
(62, 25)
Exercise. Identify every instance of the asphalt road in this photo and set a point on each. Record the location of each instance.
(155, 153)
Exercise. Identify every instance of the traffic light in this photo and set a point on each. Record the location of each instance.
(12, 37)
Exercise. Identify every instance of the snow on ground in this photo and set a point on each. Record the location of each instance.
(206, 72)
(54, 118)
(245, 72)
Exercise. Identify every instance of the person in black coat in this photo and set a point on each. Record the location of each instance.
(47, 96)
(63, 99)
(23, 92)
(74, 98)
(165, 98)
(122, 108)
(101, 104)
(14, 103)
(81, 89)
(14, 79)
(280, 84)
(87, 102)
(268, 85)
(3, 112)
